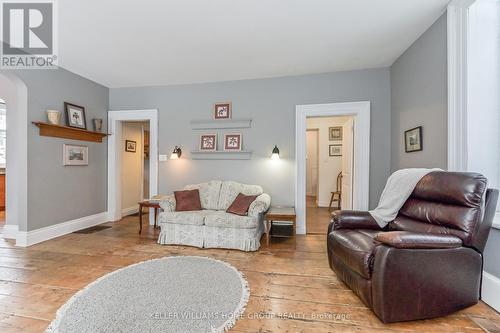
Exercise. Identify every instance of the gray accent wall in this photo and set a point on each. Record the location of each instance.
(270, 103)
(419, 98)
(57, 193)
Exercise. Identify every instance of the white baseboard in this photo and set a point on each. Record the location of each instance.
(491, 290)
(130, 211)
(27, 238)
(10, 231)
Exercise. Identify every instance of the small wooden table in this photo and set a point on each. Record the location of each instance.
(278, 213)
(148, 204)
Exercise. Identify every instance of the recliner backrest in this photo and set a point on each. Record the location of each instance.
(446, 203)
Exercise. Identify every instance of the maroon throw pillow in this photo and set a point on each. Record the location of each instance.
(187, 200)
(241, 204)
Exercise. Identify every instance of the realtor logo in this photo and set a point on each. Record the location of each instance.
(28, 34)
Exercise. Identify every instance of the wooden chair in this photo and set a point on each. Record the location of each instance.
(337, 195)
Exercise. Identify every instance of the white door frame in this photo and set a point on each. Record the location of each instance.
(114, 156)
(361, 179)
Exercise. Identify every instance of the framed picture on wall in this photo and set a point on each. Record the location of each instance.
(208, 142)
(335, 133)
(232, 142)
(413, 140)
(75, 115)
(75, 155)
(222, 110)
(335, 150)
(130, 146)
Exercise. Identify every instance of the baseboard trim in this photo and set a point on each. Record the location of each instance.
(130, 211)
(10, 231)
(491, 290)
(28, 238)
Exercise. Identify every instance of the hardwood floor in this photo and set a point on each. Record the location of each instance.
(292, 286)
(317, 218)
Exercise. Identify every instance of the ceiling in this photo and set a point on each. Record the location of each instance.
(121, 43)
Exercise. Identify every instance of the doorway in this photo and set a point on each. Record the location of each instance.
(329, 154)
(120, 150)
(360, 113)
(134, 165)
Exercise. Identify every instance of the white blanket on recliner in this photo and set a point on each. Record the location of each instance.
(397, 190)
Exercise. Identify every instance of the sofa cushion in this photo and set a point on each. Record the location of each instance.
(209, 193)
(187, 200)
(228, 220)
(241, 204)
(191, 218)
(230, 190)
(355, 248)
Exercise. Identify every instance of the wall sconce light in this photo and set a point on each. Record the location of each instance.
(176, 153)
(276, 153)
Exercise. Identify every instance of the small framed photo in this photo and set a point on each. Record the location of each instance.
(335, 133)
(232, 142)
(222, 110)
(208, 142)
(75, 155)
(335, 150)
(75, 115)
(130, 146)
(413, 140)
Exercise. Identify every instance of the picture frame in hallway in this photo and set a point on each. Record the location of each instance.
(223, 110)
(208, 142)
(335, 133)
(232, 142)
(130, 146)
(413, 140)
(75, 115)
(75, 155)
(335, 150)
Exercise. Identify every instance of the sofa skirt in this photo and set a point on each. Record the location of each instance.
(211, 237)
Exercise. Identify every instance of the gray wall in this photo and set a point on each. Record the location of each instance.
(419, 98)
(271, 104)
(56, 193)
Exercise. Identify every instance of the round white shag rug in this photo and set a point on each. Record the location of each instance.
(172, 294)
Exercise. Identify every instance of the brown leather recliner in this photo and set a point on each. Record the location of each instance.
(428, 261)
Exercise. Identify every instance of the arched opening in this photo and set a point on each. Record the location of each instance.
(14, 93)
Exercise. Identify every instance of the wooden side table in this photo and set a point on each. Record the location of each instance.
(148, 204)
(277, 213)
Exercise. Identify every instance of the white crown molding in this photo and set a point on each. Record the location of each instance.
(27, 238)
(491, 290)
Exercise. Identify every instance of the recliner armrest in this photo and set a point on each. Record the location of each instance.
(352, 219)
(418, 240)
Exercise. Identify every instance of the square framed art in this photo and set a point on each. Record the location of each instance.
(413, 140)
(75, 115)
(335, 133)
(335, 150)
(232, 142)
(75, 155)
(130, 146)
(208, 142)
(222, 110)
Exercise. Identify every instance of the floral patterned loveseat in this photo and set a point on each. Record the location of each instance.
(213, 227)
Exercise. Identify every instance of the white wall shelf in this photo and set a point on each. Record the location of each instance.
(221, 123)
(221, 155)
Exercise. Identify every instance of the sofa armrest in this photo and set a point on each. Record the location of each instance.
(167, 203)
(352, 219)
(418, 240)
(260, 205)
